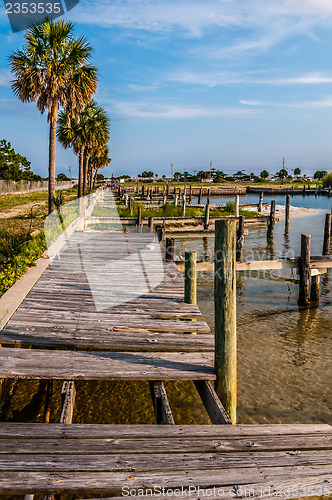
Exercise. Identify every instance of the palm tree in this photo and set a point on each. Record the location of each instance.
(53, 70)
(98, 159)
(85, 134)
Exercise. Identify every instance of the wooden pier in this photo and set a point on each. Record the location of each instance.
(59, 333)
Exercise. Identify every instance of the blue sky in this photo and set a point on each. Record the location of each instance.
(242, 84)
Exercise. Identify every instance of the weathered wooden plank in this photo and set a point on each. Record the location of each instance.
(169, 444)
(66, 365)
(118, 340)
(113, 483)
(159, 462)
(11, 430)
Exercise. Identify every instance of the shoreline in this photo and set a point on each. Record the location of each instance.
(294, 211)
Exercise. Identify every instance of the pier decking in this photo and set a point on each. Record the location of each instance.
(66, 331)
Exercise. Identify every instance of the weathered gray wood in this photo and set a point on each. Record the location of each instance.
(161, 404)
(215, 409)
(200, 196)
(190, 278)
(68, 395)
(225, 315)
(66, 365)
(237, 206)
(114, 482)
(304, 270)
(150, 224)
(260, 206)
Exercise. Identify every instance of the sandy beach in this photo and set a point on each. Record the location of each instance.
(280, 211)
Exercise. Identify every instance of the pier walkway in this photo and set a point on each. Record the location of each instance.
(129, 322)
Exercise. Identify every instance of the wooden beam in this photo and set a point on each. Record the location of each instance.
(210, 400)
(161, 404)
(68, 394)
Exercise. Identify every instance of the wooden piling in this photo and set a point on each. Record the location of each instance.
(150, 224)
(237, 205)
(183, 204)
(131, 204)
(327, 234)
(240, 239)
(163, 233)
(260, 206)
(270, 228)
(190, 195)
(200, 196)
(207, 217)
(139, 218)
(190, 278)
(208, 197)
(314, 292)
(225, 315)
(169, 249)
(304, 270)
(287, 210)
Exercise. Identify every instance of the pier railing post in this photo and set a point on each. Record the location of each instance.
(190, 278)
(327, 234)
(270, 229)
(304, 270)
(225, 315)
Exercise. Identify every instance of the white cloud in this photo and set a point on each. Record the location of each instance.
(142, 88)
(250, 78)
(5, 78)
(314, 104)
(154, 110)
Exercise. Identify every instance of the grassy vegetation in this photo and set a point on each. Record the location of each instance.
(228, 184)
(22, 239)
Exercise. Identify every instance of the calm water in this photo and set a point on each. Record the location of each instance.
(284, 353)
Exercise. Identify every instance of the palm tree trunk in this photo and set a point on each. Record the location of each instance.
(80, 173)
(91, 176)
(95, 178)
(85, 170)
(51, 157)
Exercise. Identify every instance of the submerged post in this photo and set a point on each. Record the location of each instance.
(240, 239)
(304, 270)
(327, 234)
(190, 278)
(270, 229)
(169, 249)
(237, 205)
(225, 315)
(207, 217)
(287, 210)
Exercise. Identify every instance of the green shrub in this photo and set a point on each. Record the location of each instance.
(230, 207)
(327, 180)
(14, 267)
